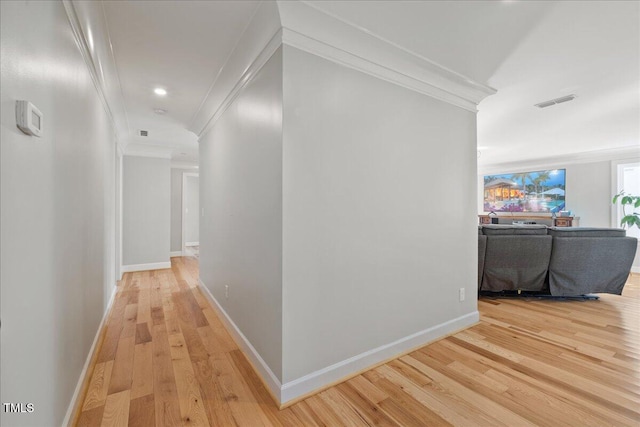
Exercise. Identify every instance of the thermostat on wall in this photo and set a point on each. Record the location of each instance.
(28, 118)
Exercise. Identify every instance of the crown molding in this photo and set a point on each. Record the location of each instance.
(303, 26)
(142, 150)
(120, 148)
(555, 162)
(184, 165)
(83, 46)
(267, 51)
(97, 56)
(351, 60)
(313, 30)
(259, 36)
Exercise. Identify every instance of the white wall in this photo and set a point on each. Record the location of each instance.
(370, 168)
(57, 213)
(146, 216)
(324, 229)
(589, 193)
(192, 209)
(241, 193)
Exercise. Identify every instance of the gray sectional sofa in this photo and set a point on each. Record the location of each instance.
(558, 261)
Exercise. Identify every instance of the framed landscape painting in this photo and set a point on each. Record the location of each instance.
(538, 191)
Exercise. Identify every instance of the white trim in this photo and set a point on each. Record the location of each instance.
(616, 187)
(329, 375)
(615, 179)
(145, 267)
(83, 47)
(559, 162)
(192, 243)
(303, 26)
(175, 254)
(323, 377)
(421, 84)
(261, 59)
(148, 151)
(183, 165)
(267, 375)
(635, 269)
(83, 374)
(308, 27)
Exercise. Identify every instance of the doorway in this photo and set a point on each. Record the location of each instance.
(190, 214)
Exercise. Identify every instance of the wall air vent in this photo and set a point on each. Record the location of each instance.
(560, 100)
(144, 133)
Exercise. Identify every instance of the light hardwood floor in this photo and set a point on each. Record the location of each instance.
(166, 360)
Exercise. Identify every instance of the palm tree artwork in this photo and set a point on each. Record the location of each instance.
(523, 178)
(540, 180)
(533, 191)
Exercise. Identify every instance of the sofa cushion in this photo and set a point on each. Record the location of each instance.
(516, 262)
(586, 232)
(514, 229)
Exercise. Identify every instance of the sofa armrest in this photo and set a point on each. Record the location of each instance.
(583, 265)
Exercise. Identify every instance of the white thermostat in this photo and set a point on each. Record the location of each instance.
(28, 118)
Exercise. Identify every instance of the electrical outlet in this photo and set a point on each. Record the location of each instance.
(461, 294)
(226, 291)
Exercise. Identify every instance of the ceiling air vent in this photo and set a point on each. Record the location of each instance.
(560, 100)
(144, 133)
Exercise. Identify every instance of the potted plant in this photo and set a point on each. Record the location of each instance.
(627, 200)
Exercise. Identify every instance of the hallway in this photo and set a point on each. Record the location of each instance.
(167, 360)
(162, 347)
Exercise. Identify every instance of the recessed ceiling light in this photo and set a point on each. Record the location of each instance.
(159, 111)
(160, 91)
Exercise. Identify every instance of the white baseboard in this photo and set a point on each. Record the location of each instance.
(267, 375)
(145, 267)
(175, 254)
(331, 374)
(635, 269)
(83, 374)
(192, 243)
(319, 379)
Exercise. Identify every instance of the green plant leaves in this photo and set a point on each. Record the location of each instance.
(631, 220)
(628, 220)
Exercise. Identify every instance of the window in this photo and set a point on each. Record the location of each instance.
(626, 176)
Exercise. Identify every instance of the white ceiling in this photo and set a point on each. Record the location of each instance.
(179, 46)
(530, 51)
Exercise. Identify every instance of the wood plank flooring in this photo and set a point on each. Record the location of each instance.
(167, 360)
